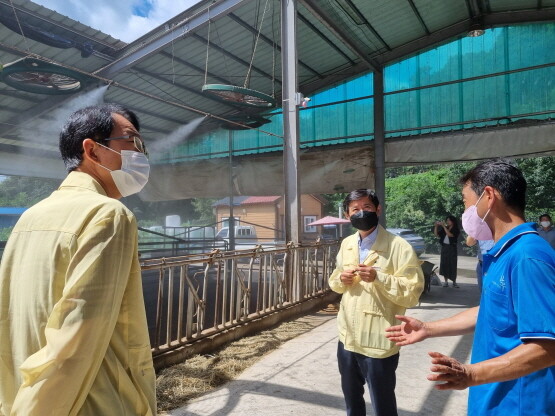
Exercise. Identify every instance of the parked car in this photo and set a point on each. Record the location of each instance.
(245, 236)
(245, 239)
(414, 239)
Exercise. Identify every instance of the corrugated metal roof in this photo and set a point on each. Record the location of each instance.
(161, 75)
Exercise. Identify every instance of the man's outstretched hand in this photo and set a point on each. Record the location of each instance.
(455, 375)
(409, 332)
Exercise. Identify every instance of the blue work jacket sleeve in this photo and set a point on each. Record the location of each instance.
(58, 377)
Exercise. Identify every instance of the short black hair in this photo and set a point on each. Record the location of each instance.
(545, 215)
(93, 122)
(359, 194)
(501, 175)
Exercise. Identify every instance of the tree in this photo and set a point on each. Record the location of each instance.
(22, 191)
(204, 210)
(540, 175)
(334, 201)
(416, 200)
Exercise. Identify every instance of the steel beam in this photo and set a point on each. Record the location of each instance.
(235, 57)
(317, 12)
(322, 36)
(290, 121)
(61, 26)
(269, 42)
(183, 87)
(473, 9)
(521, 16)
(419, 16)
(44, 107)
(460, 28)
(179, 31)
(15, 94)
(487, 6)
(379, 143)
(138, 110)
(194, 67)
(231, 221)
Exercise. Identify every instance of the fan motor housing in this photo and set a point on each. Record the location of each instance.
(40, 77)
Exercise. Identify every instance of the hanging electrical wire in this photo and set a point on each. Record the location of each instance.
(242, 96)
(20, 28)
(247, 78)
(17, 50)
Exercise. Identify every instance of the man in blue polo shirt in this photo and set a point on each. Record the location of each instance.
(512, 370)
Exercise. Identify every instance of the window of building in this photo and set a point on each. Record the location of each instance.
(225, 221)
(307, 219)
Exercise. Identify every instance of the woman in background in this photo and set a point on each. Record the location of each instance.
(448, 233)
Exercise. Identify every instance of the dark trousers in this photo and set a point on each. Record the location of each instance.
(448, 262)
(378, 373)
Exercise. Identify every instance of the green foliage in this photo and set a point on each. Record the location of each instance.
(21, 191)
(540, 174)
(334, 201)
(415, 197)
(418, 196)
(417, 200)
(204, 211)
(5, 233)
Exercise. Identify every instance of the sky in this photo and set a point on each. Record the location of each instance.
(125, 20)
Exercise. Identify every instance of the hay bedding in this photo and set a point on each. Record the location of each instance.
(201, 373)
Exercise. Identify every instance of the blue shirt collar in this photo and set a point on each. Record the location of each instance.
(369, 240)
(511, 236)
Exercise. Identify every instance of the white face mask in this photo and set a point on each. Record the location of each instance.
(545, 224)
(133, 175)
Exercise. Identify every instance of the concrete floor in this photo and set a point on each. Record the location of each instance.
(301, 376)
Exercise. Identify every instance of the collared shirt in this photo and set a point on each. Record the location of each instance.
(548, 235)
(73, 331)
(368, 308)
(364, 244)
(483, 247)
(517, 305)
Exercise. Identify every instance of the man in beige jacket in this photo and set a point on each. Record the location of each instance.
(379, 276)
(73, 330)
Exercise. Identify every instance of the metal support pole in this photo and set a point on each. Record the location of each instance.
(231, 222)
(379, 142)
(290, 120)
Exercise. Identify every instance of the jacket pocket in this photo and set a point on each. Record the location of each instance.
(372, 329)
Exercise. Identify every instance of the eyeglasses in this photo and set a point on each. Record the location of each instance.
(137, 140)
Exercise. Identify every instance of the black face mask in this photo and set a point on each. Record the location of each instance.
(364, 220)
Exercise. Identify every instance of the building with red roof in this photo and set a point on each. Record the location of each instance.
(266, 214)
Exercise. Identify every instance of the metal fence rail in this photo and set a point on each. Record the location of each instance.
(191, 297)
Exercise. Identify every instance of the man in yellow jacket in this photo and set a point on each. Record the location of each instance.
(73, 331)
(379, 275)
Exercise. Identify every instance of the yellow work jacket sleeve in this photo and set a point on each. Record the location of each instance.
(334, 281)
(399, 276)
(405, 284)
(58, 377)
(367, 309)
